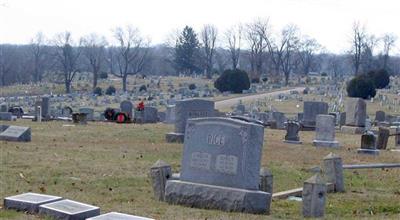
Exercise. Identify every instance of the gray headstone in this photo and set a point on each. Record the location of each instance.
(45, 106)
(356, 112)
(222, 152)
(170, 114)
(380, 116)
(314, 197)
(127, 107)
(159, 173)
(28, 202)
(191, 108)
(89, 113)
(292, 132)
(325, 132)
(220, 167)
(310, 111)
(383, 137)
(118, 216)
(6, 116)
(68, 209)
(16, 133)
(3, 107)
(150, 115)
(368, 144)
(333, 168)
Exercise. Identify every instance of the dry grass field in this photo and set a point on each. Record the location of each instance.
(107, 164)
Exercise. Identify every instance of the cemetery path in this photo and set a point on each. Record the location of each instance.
(227, 103)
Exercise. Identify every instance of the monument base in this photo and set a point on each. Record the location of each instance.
(368, 151)
(395, 150)
(217, 197)
(333, 144)
(174, 137)
(292, 142)
(352, 130)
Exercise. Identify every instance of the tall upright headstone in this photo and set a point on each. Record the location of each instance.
(310, 111)
(383, 137)
(45, 108)
(220, 167)
(187, 109)
(170, 114)
(314, 197)
(356, 114)
(325, 132)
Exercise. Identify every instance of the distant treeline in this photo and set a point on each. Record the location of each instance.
(251, 47)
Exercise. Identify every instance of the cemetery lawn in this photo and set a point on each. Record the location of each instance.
(107, 164)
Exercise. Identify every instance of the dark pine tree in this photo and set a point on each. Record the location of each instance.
(187, 52)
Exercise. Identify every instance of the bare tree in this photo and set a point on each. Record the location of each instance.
(208, 39)
(234, 38)
(358, 42)
(290, 35)
(307, 49)
(132, 52)
(388, 43)
(256, 34)
(38, 52)
(67, 54)
(94, 51)
(7, 63)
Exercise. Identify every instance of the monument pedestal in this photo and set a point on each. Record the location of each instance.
(319, 143)
(352, 129)
(173, 137)
(368, 151)
(292, 142)
(217, 197)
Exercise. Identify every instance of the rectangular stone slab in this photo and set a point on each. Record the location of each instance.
(16, 133)
(217, 197)
(118, 216)
(68, 209)
(28, 202)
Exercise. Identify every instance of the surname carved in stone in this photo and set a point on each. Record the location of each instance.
(216, 139)
(226, 164)
(200, 160)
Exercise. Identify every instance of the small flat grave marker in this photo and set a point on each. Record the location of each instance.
(16, 133)
(28, 202)
(68, 209)
(118, 216)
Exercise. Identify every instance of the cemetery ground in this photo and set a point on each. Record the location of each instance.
(107, 165)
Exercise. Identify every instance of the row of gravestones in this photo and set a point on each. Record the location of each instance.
(59, 208)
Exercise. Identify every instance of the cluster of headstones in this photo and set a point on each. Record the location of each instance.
(59, 208)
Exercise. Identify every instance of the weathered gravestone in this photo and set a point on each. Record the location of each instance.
(3, 107)
(368, 144)
(45, 107)
(118, 216)
(28, 202)
(6, 116)
(89, 113)
(356, 114)
(380, 116)
(150, 115)
(187, 109)
(292, 132)
(310, 111)
(277, 120)
(16, 133)
(170, 114)
(220, 167)
(314, 197)
(68, 209)
(325, 132)
(333, 169)
(127, 107)
(383, 137)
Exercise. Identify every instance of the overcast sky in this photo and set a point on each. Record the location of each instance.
(329, 21)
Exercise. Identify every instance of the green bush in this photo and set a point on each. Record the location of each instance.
(192, 86)
(380, 78)
(98, 91)
(361, 87)
(110, 90)
(233, 80)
